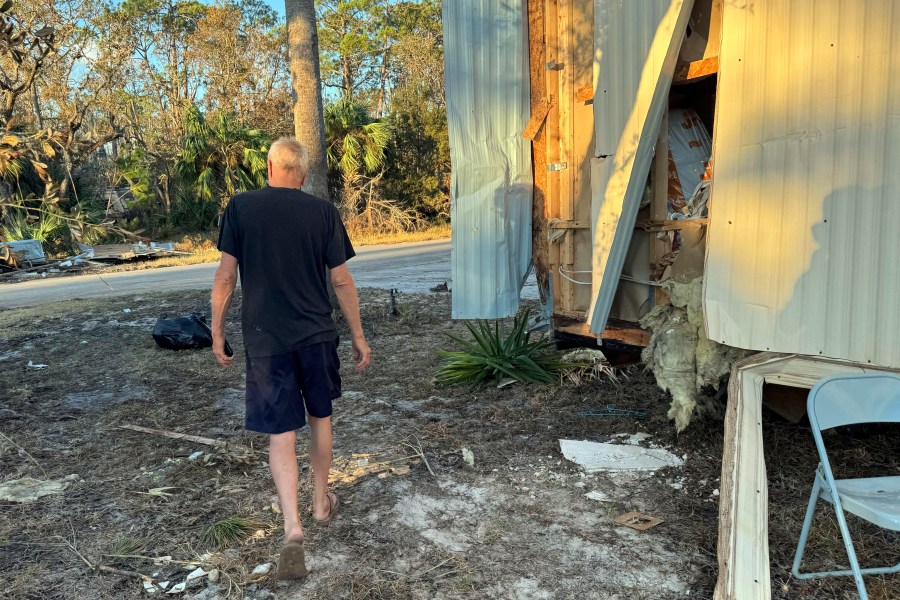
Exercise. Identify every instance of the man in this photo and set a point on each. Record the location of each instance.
(283, 241)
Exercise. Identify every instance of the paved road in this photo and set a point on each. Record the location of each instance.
(412, 267)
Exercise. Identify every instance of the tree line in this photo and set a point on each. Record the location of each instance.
(146, 116)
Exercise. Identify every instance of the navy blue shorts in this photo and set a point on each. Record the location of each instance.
(279, 386)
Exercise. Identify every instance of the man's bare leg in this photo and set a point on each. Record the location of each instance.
(283, 464)
(320, 457)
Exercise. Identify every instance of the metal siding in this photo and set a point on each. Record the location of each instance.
(805, 210)
(636, 46)
(488, 106)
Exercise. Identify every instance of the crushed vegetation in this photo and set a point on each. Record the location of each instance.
(446, 492)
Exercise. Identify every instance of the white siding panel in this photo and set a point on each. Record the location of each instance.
(488, 106)
(804, 243)
(636, 45)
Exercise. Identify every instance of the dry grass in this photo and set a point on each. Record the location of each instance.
(69, 417)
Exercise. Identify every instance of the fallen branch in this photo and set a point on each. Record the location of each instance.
(135, 574)
(177, 436)
(24, 451)
(420, 452)
(105, 569)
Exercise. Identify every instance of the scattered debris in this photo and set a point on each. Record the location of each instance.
(195, 455)
(441, 287)
(262, 569)
(598, 496)
(181, 587)
(638, 521)
(235, 453)
(37, 367)
(594, 456)
(468, 457)
(506, 382)
(160, 492)
(26, 259)
(27, 489)
(590, 364)
(126, 310)
(176, 436)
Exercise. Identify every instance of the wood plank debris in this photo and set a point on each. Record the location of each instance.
(694, 71)
(585, 94)
(177, 436)
(538, 116)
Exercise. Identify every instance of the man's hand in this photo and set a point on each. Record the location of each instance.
(362, 354)
(219, 350)
(222, 292)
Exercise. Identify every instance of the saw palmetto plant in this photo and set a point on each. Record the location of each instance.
(495, 354)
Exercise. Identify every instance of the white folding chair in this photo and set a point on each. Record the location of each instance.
(848, 400)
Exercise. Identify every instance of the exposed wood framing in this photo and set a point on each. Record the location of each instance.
(565, 54)
(666, 225)
(551, 144)
(699, 69)
(621, 332)
(659, 203)
(539, 98)
(568, 48)
(743, 549)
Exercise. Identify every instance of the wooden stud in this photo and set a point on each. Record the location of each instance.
(540, 246)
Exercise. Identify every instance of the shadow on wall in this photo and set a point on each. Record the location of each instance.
(847, 303)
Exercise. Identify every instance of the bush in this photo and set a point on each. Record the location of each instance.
(493, 355)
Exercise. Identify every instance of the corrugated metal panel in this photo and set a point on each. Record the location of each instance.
(805, 209)
(26, 250)
(637, 45)
(488, 106)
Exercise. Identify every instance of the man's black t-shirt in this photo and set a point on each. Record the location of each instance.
(283, 240)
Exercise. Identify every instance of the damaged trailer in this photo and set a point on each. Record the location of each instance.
(711, 181)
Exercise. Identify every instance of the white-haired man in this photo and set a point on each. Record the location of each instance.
(283, 241)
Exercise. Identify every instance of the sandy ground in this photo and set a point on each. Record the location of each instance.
(514, 524)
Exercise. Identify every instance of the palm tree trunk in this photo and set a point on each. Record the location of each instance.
(309, 125)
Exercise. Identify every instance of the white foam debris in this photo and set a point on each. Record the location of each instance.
(594, 456)
(633, 439)
(598, 496)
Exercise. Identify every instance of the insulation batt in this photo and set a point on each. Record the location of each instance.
(682, 358)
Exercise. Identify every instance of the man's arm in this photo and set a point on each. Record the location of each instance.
(222, 293)
(345, 290)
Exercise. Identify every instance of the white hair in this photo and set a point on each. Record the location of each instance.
(289, 154)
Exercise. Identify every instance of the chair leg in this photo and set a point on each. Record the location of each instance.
(848, 546)
(804, 532)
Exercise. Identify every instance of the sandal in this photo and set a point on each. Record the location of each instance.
(292, 562)
(333, 504)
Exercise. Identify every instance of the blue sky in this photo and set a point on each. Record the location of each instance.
(278, 5)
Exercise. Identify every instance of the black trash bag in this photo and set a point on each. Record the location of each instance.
(183, 333)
